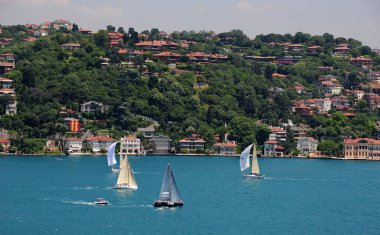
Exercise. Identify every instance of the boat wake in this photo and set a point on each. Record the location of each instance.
(304, 179)
(137, 206)
(68, 201)
(85, 188)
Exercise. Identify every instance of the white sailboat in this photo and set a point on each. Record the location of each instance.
(244, 163)
(126, 179)
(111, 157)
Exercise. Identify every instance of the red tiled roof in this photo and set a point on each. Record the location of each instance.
(166, 54)
(2, 79)
(226, 144)
(310, 139)
(356, 141)
(99, 138)
(277, 129)
(280, 148)
(73, 139)
(4, 141)
(122, 51)
(270, 142)
(361, 59)
(130, 138)
(313, 47)
(279, 75)
(156, 43)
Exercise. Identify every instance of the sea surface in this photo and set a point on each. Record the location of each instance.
(54, 195)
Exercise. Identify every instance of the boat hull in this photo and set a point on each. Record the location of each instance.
(101, 203)
(253, 176)
(168, 204)
(124, 186)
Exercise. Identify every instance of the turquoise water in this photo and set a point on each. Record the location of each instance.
(43, 195)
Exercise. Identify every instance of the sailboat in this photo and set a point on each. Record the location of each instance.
(169, 194)
(244, 163)
(111, 157)
(126, 179)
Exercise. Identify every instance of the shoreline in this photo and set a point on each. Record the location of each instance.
(184, 155)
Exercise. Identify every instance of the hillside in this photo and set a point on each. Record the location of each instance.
(221, 83)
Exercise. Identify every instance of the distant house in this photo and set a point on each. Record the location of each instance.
(168, 56)
(192, 143)
(98, 143)
(71, 46)
(5, 143)
(61, 23)
(92, 106)
(299, 131)
(104, 62)
(157, 45)
(73, 145)
(362, 148)
(73, 125)
(40, 32)
(271, 149)
(147, 131)
(342, 49)
(313, 50)
(362, 62)
(225, 148)
(6, 82)
(277, 133)
(288, 60)
(130, 145)
(85, 31)
(295, 47)
(162, 144)
(278, 75)
(307, 145)
(374, 76)
(7, 63)
(11, 108)
(7, 91)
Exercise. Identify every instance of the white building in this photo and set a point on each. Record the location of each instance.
(130, 145)
(11, 108)
(98, 143)
(324, 105)
(73, 145)
(92, 106)
(307, 145)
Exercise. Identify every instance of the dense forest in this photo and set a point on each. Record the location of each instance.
(238, 96)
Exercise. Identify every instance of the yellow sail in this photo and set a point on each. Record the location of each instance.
(255, 164)
(123, 174)
(131, 178)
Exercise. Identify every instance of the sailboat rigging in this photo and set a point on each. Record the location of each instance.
(111, 157)
(169, 194)
(126, 179)
(244, 163)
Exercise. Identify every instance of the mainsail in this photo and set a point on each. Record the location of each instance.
(244, 158)
(126, 176)
(255, 164)
(169, 190)
(111, 154)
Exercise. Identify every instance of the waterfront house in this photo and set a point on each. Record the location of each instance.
(130, 145)
(362, 148)
(162, 144)
(307, 145)
(225, 148)
(92, 106)
(271, 149)
(98, 143)
(73, 145)
(194, 143)
(52, 143)
(71, 46)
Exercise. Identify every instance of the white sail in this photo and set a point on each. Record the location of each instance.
(255, 164)
(111, 154)
(244, 158)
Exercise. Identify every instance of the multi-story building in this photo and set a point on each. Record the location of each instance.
(162, 144)
(362, 148)
(307, 145)
(61, 23)
(192, 143)
(98, 143)
(147, 131)
(11, 108)
(225, 148)
(92, 106)
(130, 145)
(277, 134)
(73, 145)
(299, 131)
